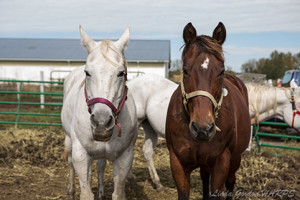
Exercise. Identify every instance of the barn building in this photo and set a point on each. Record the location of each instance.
(25, 59)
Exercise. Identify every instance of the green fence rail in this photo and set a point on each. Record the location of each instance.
(19, 102)
(260, 134)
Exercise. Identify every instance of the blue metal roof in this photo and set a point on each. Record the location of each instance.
(71, 50)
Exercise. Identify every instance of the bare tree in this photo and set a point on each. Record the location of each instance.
(176, 64)
(250, 66)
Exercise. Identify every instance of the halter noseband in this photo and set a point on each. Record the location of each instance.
(187, 96)
(115, 110)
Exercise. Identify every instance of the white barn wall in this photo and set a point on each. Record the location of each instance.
(135, 71)
(33, 72)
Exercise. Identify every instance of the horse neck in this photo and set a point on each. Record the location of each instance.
(265, 102)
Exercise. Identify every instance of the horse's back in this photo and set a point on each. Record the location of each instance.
(152, 94)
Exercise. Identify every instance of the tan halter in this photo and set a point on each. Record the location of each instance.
(187, 96)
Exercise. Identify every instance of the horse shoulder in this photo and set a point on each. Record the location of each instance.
(74, 115)
(237, 106)
(129, 110)
(129, 127)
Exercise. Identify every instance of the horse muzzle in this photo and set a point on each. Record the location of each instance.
(102, 127)
(202, 133)
(102, 136)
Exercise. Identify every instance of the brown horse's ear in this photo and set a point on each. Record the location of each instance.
(189, 33)
(219, 33)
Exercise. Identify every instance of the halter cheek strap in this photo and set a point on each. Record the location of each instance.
(115, 110)
(187, 96)
(295, 110)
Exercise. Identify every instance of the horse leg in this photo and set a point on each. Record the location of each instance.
(130, 175)
(68, 156)
(219, 173)
(205, 183)
(181, 177)
(121, 168)
(82, 163)
(71, 186)
(101, 164)
(148, 150)
(90, 175)
(131, 180)
(230, 181)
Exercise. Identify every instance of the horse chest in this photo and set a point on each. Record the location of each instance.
(112, 151)
(198, 153)
(107, 150)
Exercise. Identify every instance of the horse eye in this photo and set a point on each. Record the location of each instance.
(86, 73)
(121, 73)
(222, 73)
(185, 72)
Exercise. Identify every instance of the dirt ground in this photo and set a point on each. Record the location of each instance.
(31, 167)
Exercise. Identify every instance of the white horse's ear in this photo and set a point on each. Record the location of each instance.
(124, 39)
(87, 42)
(293, 84)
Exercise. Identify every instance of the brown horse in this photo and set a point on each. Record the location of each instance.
(208, 122)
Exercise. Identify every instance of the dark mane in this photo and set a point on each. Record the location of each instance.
(206, 44)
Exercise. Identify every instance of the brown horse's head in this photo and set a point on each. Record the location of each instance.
(202, 79)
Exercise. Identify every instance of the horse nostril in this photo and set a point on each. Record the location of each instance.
(210, 127)
(195, 127)
(93, 117)
(110, 122)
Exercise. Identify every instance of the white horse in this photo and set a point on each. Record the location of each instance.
(266, 102)
(99, 122)
(152, 95)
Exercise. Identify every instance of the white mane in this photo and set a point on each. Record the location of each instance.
(263, 98)
(105, 46)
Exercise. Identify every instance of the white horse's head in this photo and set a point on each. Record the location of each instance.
(291, 111)
(105, 71)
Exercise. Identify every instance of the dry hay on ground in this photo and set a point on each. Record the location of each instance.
(31, 167)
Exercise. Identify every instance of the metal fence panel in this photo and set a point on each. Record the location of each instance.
(19, 92)
(260, 134)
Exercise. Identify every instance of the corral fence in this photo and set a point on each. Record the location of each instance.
(258, 136)
(25, 102)
(39, 103)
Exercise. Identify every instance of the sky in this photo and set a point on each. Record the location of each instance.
(254, 28)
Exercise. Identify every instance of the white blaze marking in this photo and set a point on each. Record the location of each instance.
(205, 63)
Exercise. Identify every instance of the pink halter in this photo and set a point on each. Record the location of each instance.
(115, 110)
